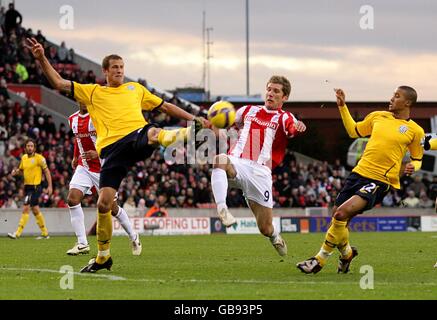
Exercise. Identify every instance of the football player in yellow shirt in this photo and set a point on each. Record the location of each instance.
(31, 166)
(123, 135)
(391, 133)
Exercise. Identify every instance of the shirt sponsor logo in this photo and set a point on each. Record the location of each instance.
(262, 123)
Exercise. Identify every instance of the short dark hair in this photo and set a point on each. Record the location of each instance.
(410, 93)
(286, 86)
(105, 62)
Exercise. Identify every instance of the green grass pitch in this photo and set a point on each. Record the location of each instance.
(234, 267)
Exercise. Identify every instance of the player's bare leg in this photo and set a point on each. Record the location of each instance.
(264, 220)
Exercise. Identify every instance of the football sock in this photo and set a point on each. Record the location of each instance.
(123, 218)
(167, 137)
(219, 184)
(275, 234)
(336, 234)
(78, 223)
(104, 235)
(344, 247)
(22, 223)
(41, 224)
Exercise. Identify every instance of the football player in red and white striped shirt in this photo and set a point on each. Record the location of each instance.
(86, 163)
(261, 144)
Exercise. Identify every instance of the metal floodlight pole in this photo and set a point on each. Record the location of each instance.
(208, 57)
(247, 48)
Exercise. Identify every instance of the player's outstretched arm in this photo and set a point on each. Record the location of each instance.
(176, 112)
(52, 75)
(348, 122)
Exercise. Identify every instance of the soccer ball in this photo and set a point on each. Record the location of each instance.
(222, 114)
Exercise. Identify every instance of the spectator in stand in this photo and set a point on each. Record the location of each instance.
(4, 89)
(130, 207)
(21, 71)
(12, 19)
(62, 53)
(2, 20)
(424, 201)
(411, 201)
(39, 37)
(71, 58)
(417, 185)
(158, 209)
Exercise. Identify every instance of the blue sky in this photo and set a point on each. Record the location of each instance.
(318, 45)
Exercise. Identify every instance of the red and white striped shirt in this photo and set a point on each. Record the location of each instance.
(263, 134)
(85, 139)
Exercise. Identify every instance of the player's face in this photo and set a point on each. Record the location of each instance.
(398, 101)
(115, 72)
(83, 109)
(30, 148)
(275, 97)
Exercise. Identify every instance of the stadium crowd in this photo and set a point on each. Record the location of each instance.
(151, 183)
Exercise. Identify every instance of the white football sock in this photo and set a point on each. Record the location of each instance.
(275, 234)
(78, 223)
(219, 184)
(123, 218)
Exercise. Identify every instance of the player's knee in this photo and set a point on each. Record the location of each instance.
(35, 211)
(340, 215)
(72, 200)
(220, 161)
(115, 208)
(103, 205)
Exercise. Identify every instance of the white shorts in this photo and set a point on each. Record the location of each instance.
(254, 180)
(84, 180)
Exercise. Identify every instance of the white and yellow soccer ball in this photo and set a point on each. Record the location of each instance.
(222, 114)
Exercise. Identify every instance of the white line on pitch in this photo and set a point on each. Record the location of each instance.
(109, 277)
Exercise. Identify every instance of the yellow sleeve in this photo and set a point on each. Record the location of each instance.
(348, 122)
(83, 92)
(42, 162)
(416, 150)
(433, 144)
(364, 128)
(148, 100)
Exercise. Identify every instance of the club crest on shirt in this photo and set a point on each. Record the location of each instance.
(130, 87)
(403, 129)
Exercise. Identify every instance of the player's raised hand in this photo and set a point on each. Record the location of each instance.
(205, 122)
(341, 97)
(35, 47)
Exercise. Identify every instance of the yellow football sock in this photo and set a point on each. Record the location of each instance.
(344, 247)
(41, 224)
(167, 137)
(337, 234)
(104, 235)
(22, 223)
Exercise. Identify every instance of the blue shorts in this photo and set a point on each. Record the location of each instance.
(371, 190)
(118, 157)
(32, 193)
